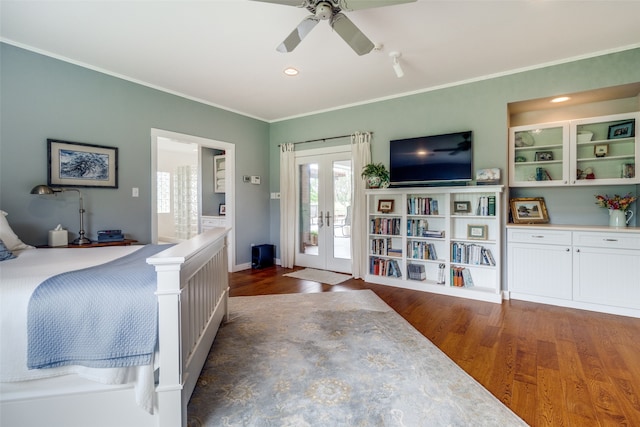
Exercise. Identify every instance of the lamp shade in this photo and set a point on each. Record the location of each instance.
(42, 189)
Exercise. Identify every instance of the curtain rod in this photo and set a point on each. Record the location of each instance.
(323, 139)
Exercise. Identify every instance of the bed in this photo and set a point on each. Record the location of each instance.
(191, 288)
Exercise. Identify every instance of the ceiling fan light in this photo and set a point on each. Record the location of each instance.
(290, 71)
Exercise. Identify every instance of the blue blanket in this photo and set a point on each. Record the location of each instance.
(101, 317)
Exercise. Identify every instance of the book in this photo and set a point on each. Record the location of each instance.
(491, 206)
(467, 281)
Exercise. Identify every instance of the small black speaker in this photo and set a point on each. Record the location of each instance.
(262, 256)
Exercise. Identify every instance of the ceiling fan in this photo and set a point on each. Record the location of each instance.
(332, 10)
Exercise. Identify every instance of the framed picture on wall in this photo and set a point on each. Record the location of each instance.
(222, 209)
(76, 164)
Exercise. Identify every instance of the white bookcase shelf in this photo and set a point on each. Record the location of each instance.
(445, 240)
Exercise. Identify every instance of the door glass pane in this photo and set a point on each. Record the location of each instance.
(308, 232)
(342, 209)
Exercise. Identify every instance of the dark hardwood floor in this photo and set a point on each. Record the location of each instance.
(552, 366)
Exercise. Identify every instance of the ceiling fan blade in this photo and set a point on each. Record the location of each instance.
(297, 3)
(351, 34)
(299, 33)
(367, 4)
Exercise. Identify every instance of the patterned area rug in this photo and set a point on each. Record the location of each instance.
(333, 359)
(322, 276)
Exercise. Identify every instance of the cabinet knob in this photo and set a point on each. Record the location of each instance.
(567, 250)
(577, 250)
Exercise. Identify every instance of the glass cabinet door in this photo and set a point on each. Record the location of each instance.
(605, 150)
(539, 155)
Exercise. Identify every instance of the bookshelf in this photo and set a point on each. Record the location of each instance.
(445, 240)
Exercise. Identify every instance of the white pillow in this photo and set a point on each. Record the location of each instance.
(11, 241)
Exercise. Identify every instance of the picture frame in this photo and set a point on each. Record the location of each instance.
(529, 210)
(385, 206)
(477, 232)
(621, 130)
(222, 209)
(78, 164)
(488, 176)
(628, 170)
(461, 206)
(543, 156)
(601, 150)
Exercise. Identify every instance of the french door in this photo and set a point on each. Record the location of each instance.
(323, 184)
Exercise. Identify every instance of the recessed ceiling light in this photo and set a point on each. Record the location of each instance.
(560, 99)
(290, 71)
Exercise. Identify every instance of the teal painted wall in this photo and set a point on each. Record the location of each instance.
(480, 106)
(47, 98)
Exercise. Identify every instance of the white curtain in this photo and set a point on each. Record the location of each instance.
(287, 205)
(185, 202)
(360, 156)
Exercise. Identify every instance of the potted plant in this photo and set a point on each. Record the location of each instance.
(376, 174)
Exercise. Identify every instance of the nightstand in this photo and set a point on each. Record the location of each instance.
(125, 242)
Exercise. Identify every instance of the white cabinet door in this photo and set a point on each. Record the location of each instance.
(607, 276)
(542, 270)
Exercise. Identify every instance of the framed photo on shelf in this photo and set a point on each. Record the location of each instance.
(621, 130)
(628, 170)
(461, 207)
(529, 210)
(476, 232)
(601, 150)
(543, 156)
(385, 206)
(76, 164)
(222, 209)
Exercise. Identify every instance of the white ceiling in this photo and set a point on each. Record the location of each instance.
(222, 52)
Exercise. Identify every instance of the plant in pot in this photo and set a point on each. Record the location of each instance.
(376, 174)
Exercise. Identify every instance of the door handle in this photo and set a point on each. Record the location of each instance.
(328, 216)
(320, 224)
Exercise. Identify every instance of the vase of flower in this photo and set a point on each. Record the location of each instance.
(618, 218)
(618, 208)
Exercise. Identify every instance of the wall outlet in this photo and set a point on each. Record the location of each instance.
(275, 195)
(135, 192)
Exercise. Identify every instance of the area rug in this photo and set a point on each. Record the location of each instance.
(333, 359)
(322, 276)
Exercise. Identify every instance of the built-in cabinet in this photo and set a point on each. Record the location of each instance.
(440, 239)
(590, 151)
(209, 222)
(593, 268)
(219, 171)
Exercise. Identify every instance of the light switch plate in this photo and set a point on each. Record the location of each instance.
(255, 179)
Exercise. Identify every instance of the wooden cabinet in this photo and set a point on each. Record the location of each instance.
(591, 151)
(219, 173)
(444, 239)
(593, 268)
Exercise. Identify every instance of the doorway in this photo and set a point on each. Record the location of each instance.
(182, 187)
(323, 209)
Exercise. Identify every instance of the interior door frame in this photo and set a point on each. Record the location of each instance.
(230, 153)
(299, 154)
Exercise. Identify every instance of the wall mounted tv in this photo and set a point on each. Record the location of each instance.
(431, 160)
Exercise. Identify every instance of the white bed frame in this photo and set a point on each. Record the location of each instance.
(193, 289)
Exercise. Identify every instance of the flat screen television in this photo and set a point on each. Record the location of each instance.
(431, 160)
